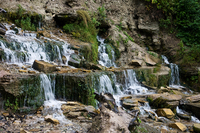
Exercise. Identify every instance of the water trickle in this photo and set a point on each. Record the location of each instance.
(132, 86)
(104, 59)
(193, 118)
(51, 105)
(174, 81)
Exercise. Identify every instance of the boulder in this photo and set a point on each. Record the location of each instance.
(194, 98)
(149, 61)
(49, 118)
(178, 125)
(165, 113)
(43, 66)
(136, 63)
(196, 127)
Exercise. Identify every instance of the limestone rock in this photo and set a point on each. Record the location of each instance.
(136, 63)
(49, 118)
(149, 61)
(44, 66)
(165, 113)
(167, 96)
(23, 71)
(196, 127)
(194, 98)
(129, 103)
(184, 116)
(74, 60)
(179, 126)
(73, 114)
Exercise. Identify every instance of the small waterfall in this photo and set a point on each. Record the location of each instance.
(174, 81)
(25, 48)
(51, 105)
(104, 59)
(132, 86)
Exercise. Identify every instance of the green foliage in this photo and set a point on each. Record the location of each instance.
(182, 17)
(12, 106)
(25, 24)
(129, 37)
(25, 20)
(85, 30)
(102, 13)
(109, 51)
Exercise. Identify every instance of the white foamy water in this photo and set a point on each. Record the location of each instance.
(25, 48)
(132, 86)
(104, 59)
(174, 79)
(51, 105)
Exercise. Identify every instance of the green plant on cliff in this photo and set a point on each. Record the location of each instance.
(102, 13)
(85, 30)
(13, 106)
(183, 17)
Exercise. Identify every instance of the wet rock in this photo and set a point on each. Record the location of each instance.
(137, 63)
(74, 60)
(23, 71)
(64, 59)
(49, 118)
(2, 31)
(192, 107)
(184, 116)
(165, 113)
(73, 114)
(108, 99)
(196, 127)
(32, 72)
(130, 103)
(194, 98)
(43, 66)
(178, 125)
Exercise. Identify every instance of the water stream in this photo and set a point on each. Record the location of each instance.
(104, 59)
(174, 79)
(51, 105)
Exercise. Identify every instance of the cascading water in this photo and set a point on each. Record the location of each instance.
(51, 105)
(174, 79)
(25, 48)
(104, 59)
(132, 86)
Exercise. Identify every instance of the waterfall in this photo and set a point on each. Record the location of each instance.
(25, 48)
(104, 59)
(174, 81)
(132, 86)
(51, 105)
